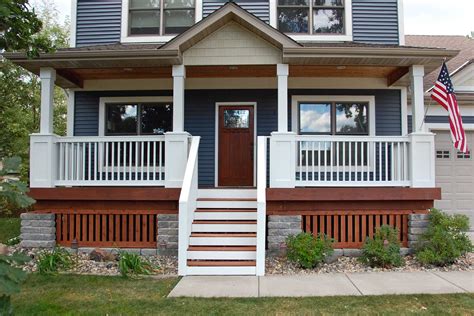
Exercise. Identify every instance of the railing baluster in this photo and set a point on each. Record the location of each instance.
(337, 160)
(380, 161)
(61, 161)
(356, 160)
(106, 145)
(95, 160)
(141, 160)
(343, 160)
(160, 161)
(66, 163)
(399, 163)
(130, 161)
(89, 166)
(331, 159)
(136, 161)
(148, 161)
(83, 164)
(119, 172)
(313, 155)
(350, 161)
(112, 161)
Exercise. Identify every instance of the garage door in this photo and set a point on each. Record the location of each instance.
(454, 174)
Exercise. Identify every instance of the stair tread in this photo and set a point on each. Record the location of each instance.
(228, 199)
(233, 222)
(217, 263)
(223, 235)
(222, 248)
(230, 210)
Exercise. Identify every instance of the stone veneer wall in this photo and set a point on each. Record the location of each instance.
(417, 224)
(168, 234)
(38, 230)
(279, 227)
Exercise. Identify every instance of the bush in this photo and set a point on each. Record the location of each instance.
(308, 250)
(11, 276)
(383, 250)
(131, 263)
(54, 261)
(445, 239)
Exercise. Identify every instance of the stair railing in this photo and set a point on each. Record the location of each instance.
(261, 203)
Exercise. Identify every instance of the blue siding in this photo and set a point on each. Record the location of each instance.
(439, 119)
(98, 22)
(387, 107)
(375, 21)
(260, 8)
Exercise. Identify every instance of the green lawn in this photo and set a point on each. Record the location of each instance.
(9, 228)
(92, 295)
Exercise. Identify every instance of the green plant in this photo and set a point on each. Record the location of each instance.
(308, 250)
(10, 279)
(383, 250)
(445, 239)
(53, 261)
(13, 241)
(12, 192)
(133, 264)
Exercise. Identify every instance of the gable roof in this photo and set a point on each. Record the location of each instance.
(464, 44)
(230, 12)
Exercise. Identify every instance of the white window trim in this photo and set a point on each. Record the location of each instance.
(126, 38)
(216, 146)
(104, 101)
(296, 99)
(401, 23)
(72, 36)
(317, 37)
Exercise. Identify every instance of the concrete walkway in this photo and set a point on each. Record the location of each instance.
(374, 283)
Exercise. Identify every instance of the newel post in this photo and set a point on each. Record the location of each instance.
(282, 160)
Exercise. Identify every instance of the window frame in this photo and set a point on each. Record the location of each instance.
(324, 37)
(123, 100)
(126, 37)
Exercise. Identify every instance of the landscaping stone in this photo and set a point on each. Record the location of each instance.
(167, 234)
(37, 230)
(37, 244)
(101, 255)
(335, 255)
(352, 252)
(279, 228)
(36, 216)
(3, 249)
(148, 252)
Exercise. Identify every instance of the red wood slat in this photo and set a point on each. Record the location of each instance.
(137, 228)
(143, 219)
(343, 228)
(308, 219)
(116, 228)
(103, 235)
(377, 222)
(350, 229)
(123, 227)
(97, 228)
(329, 226)
(364, 227)
(356, 229)
(314, 219)
(130, 227)
(64, 227)
(84, 228)
(336, 227)
(405, 231)
(77, 230)
(398, 225)
(371, 226)
(322, 220)
(58, 228)
(151, 227)
(90, 227)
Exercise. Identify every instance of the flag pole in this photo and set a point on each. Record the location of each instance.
(429, 104)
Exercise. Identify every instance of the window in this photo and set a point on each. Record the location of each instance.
(138, 118)
(160, 17)
(333, 118)
(311, 16)
(461, 155)
(443, 154)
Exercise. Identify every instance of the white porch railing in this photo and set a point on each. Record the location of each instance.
(261, 203)
(121, 160)
(352, 161)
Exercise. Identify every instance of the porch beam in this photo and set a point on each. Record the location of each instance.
(179, 75)
(48, 77)
(282, 74)
(417, 73)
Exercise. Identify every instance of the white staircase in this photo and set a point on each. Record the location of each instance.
(223, 235)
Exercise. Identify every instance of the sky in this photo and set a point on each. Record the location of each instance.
(425, 17)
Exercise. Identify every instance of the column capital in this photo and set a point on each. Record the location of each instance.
(417, 70)
(282, 69)
(47, 73)
(179, 71)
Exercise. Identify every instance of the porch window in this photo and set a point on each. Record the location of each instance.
(311, 16)
(160, 17)
(138, 118)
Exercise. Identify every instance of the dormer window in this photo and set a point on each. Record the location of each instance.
(160, 17)
(325, 17)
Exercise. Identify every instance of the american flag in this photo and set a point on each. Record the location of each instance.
(443, 93)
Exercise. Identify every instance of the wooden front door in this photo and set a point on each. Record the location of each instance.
(236, 146)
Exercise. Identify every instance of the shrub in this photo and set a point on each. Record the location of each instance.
(445, 239)
(131, 263)
(383, 250)
(308, 250)
(11, 276)
(52, 262)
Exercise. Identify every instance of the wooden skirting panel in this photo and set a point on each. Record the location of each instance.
(117, 229)
(350, 228)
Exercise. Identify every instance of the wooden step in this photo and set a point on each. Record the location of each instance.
(232, 210)
(221, 263)
(223, 235)
(234, 222)
(222, 248)
(228, 199)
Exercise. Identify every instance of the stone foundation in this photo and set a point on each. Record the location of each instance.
(279, 228)
(417, 225)
(37, 230)
(167, 234)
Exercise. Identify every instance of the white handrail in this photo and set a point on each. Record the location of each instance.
(187, 204)
(261, 203)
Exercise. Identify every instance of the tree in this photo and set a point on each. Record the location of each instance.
(20, 28)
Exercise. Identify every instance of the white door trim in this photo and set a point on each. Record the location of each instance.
(216, 144)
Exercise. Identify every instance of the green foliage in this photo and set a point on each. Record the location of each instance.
(20, 29)
(133, 264)
(383, 250)
(445, 239)
(308, 250)
(53, 261)
(10, 279)
(12, 192)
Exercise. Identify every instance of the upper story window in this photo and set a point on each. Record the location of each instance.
(311, 16)
(160, 17)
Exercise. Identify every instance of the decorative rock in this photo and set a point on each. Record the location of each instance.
(335, 255)
(3, 249)
(100, 255)
(352, 252)
(148, 252)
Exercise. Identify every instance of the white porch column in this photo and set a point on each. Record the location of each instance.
(179, 74)
(282, 73)
(417, 73)
(70, 112)
(48, 77)
(422, 148)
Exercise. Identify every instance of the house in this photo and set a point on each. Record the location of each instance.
(217, 129)
(454, 170)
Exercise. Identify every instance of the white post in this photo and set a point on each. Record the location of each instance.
(422, 149)
(282, 73)
(48, 77)
(179, 74)
(282, 160)
(417, 97)
(43, 161)
(176, 157)
(70, 112)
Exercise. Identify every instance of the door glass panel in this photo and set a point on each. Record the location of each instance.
(236, 118)
(315, 118)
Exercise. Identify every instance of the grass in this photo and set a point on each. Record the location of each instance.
(9, 228)
(94, 295)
